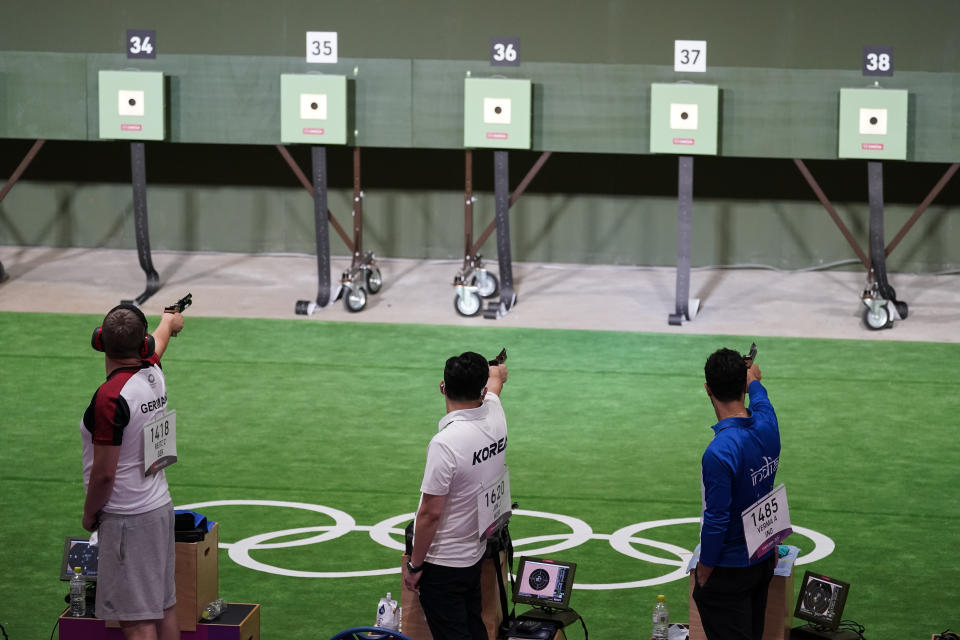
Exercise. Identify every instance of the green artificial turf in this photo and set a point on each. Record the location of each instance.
(605, 427)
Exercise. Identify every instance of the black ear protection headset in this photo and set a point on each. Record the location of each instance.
(148, 346)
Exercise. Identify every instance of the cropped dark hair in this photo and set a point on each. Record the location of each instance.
(123, 334)
(464, 376)
(726, 374)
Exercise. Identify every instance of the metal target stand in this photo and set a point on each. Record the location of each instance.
(882, 307)
(17, 173)
(364, 276)
(473, 282)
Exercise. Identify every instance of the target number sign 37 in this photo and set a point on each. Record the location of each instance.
(766, 522)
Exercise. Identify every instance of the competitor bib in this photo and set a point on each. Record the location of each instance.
(493, 504)
(766, 522)
(160, 443)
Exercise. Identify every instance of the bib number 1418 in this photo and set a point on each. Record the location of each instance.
(159, 443)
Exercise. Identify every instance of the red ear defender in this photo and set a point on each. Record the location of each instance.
(96, 341)
(148, 348)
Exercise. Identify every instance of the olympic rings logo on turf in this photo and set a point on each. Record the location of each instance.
(622, 541)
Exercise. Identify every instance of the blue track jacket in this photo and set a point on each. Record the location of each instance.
(738, 468)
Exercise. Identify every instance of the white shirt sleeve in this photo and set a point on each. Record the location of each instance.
(441, 465)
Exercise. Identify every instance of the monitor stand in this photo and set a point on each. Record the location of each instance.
(560, 617)
(809, 632)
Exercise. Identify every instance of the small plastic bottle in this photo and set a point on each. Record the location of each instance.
(661, 619)
(78, 594)
(213, 610)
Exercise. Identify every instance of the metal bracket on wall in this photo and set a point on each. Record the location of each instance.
(822, 197)
(138, 172)
(27, 159)
(684, 237)
(473, 282)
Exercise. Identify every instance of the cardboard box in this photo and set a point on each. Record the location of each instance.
(414, 624)
(198, 577)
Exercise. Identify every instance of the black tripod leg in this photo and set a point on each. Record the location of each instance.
(320, 215)
(684, 233)
(501, 189)
(138, 171)
(878, 252)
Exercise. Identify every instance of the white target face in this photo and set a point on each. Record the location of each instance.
(683, 116)
(129, 103)
(873, 121)
(496, 110)
(313, 106)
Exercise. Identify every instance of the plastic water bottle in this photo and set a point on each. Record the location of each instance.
(387, 613)
(213, 610)
(78, 594)
(661, 619)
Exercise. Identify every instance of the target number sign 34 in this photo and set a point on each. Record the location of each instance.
(766, 522)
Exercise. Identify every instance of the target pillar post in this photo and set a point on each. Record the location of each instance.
(496, 115)
(132, 106)
(684, 122)
(313, 110)
(873, 126)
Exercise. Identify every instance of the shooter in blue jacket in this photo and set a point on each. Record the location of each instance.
(738, 468)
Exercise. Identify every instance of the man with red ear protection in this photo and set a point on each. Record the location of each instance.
(127, 500)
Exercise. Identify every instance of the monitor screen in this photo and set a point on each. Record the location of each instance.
(78, 552)
(821, 600)
(544, 583)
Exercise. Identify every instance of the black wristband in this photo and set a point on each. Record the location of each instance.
(413, 569)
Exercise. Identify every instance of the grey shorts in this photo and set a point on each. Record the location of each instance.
(135, 580)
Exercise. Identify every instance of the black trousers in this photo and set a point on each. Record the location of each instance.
(450, 598)
(733, 602)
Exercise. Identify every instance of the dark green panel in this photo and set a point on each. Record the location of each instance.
(814, 34)
(601, 108)
(43, 95)
(590, 229)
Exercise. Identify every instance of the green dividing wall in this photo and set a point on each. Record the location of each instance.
(764, 112)
(589, 228)
(779, 65)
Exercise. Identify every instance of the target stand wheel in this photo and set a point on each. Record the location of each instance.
(373, 279)
(467, 305)
(902, 309)
(877, 319)
(355, 299)
(487, 284)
